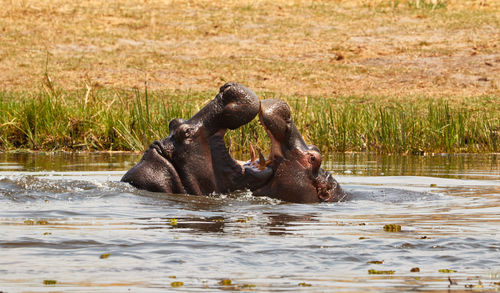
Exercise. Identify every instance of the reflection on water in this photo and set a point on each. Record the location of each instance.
(440, 165)
(60, 212)
(64, 161)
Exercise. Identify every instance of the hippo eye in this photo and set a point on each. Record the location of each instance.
(184, 133)
(312, 159)
(188, 132)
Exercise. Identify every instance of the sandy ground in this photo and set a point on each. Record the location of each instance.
(329, 48)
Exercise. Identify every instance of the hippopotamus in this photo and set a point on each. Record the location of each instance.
(297, 173)
(193, 159)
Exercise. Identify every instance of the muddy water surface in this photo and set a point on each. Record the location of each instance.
(68, 224)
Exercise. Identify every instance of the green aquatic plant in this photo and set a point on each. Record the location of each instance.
(392, 228)
(377, 272)
(225, 282)
(248, 286)
(375, 262)
(177, 284)
(130, 120)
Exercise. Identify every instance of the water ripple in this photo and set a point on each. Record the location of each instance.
(57, 225)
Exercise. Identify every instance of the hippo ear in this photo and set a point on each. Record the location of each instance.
(184, 133)
(174, 124)
(181, 131)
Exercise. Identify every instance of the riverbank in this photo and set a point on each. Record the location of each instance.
(381, 76)
(291, 47)
(97, 119)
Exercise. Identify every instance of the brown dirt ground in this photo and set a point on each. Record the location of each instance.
(324, 48)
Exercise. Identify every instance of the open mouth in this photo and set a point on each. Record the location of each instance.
(258, 162)
(275, 126)
(298, 176)
(250, 174)
(194, 158)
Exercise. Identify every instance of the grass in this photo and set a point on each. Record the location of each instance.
(405, 76)
(103, 119)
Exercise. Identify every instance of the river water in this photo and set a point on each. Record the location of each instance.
(68, 224)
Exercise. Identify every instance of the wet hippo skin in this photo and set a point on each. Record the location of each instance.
(297, 173)
(193, 158)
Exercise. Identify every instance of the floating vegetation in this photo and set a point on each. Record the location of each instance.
(49, 282)
(244, 220)
(225, 282)
(104, 255)
(392, 228)
(375, 262)
(47, 233)
(377, 272)
(173, 222)
(304, 284)
(415, 270)
(446, 271)
(38, 222)
(177, 284)
(131, 120)
(172, 277)
(248, 286)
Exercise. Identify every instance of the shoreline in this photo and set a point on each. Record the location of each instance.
(105, 119)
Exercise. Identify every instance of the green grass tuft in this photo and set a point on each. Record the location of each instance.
(105, 119)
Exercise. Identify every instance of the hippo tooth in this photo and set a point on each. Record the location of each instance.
(253, 157)
(262, 161)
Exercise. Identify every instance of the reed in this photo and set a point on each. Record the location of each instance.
(129, 120)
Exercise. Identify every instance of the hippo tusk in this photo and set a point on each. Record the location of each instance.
(262, 161)
(253, 157)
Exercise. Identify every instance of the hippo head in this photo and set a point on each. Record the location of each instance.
(298, 176)
(193, 158)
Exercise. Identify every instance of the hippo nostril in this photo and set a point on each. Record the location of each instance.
(322, 189)
(324, 195)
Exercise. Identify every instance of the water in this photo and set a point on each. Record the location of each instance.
(59, 213)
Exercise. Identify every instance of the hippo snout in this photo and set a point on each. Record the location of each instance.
(239, 105)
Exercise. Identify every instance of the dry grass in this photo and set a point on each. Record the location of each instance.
(324, 48)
